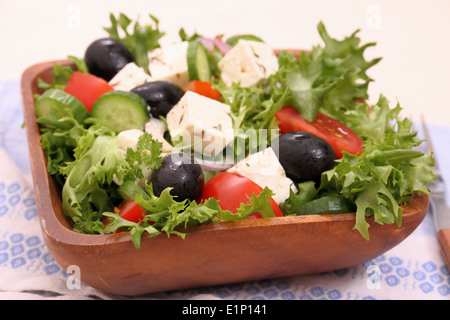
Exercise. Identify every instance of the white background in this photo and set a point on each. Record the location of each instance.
(413, 37)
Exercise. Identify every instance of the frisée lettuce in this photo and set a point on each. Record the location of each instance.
(332, 79)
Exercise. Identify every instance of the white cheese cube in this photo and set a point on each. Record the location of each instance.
(202, 121)
(157, 128)
(128, 139)
(264, 169)
(248, 62)
(170, 63)
(129, 77)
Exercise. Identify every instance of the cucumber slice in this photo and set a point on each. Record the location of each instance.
(129, 190)
(121, 110)
(198, 62)
(326, 205)
(56, 104)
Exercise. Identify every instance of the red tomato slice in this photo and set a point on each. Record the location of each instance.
(87, 88)
(338, 135)
(131, 211)
(204, 88)
(231, 189)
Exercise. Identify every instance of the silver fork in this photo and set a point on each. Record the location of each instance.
(440, 208)
(438, 205)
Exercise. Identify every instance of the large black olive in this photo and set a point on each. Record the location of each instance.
(105, 57)
(161, 96)
(185, 177)
(303, 156)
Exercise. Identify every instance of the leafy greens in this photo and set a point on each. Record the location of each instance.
(166, 214)
(140, 41)
(386, 174)
(331, 79)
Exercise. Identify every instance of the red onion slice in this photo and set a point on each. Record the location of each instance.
(210, 43)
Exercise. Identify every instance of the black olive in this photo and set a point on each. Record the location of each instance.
(161, 96)
(184, 176)
(105, 57)
(303, 156)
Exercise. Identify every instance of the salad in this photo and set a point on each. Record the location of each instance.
(147, 138)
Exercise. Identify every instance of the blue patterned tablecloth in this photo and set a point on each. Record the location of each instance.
(412, 270)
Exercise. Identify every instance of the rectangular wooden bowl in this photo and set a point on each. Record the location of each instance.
(211, 254)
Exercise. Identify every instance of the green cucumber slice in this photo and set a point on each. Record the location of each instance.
(198, 62)
(57, 104)
(121, 110)
(129, 190)
(331, 204)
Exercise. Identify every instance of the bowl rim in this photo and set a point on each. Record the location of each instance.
(57, 227)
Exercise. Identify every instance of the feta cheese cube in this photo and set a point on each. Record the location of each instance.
(170, 63)
(157, 128)
(129, 77)
(202, 121)
(265, 170)
(128, 139)
(248, 62)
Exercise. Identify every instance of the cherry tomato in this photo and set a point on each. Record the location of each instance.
(339, 136)
(204, 88)
(131, 211)
(87, 88)
(231, 189)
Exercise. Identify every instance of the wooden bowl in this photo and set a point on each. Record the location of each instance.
(211, 254)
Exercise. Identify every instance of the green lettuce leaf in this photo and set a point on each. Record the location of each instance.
(332, 78)
(166, 214)
(139, 40)
(85, 194)
(385, 176)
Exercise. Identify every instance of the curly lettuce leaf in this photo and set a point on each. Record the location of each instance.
(88, 190)
(60, 132)
(166, 214)
(384, 176)
(84, 194)
(140, 40)
(332, 78)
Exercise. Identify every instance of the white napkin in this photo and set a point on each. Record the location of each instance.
(26, 265)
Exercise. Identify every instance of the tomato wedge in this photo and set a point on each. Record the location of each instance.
(204, 88)
(131, 211)
(87, 88)
(338, 135)
(231, 189)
